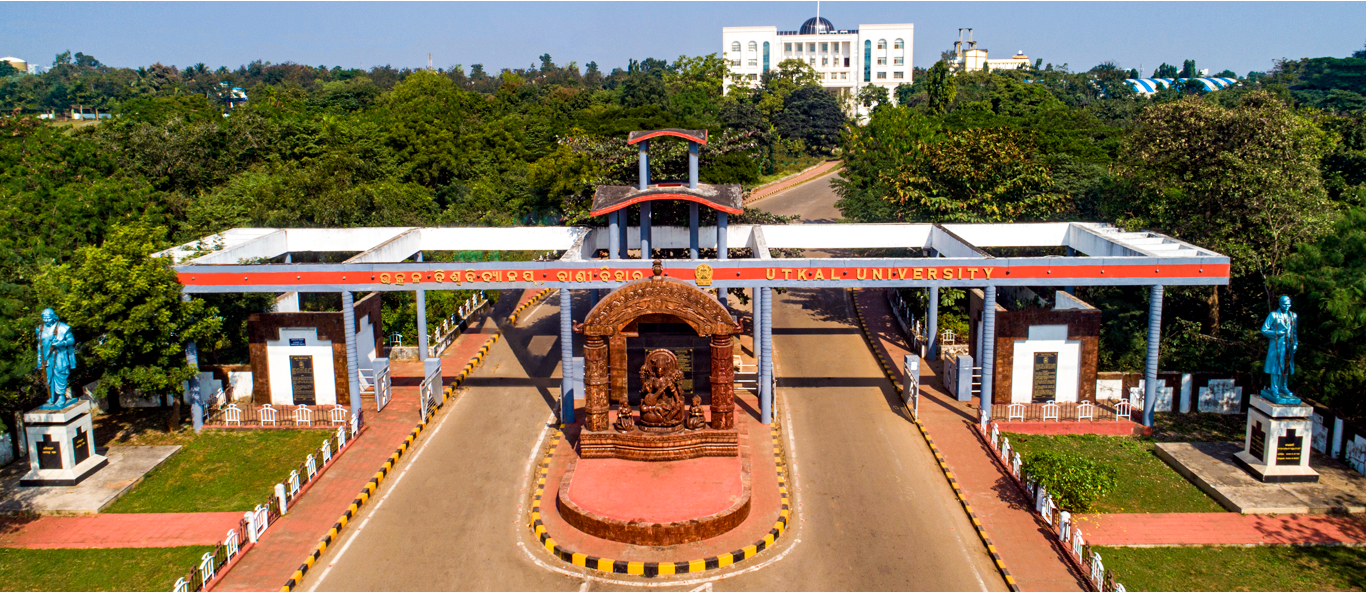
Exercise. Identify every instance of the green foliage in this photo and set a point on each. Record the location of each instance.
(97, 570)
(1246, 569)
(812, 115)
(1146, 484)
(126, 310)
(939, 87)
(1074, 480)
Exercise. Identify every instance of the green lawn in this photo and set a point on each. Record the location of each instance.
(221, 471)
(1146, 484)
(95, 570)
(1245, 569)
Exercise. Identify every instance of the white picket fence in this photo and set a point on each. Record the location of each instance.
(1067, 531)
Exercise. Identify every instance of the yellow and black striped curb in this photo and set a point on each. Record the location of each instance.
(938, 457)
(369, 490)
(651, 569)
(512, 318)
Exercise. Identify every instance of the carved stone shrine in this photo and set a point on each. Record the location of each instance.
(669, 427)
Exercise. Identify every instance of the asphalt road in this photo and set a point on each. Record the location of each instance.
(814, 200)
(873, 510)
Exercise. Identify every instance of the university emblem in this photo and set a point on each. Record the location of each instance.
(703, 275)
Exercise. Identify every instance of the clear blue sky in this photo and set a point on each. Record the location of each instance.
(1241, 36)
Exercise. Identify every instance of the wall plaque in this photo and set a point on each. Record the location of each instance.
(297, 342)
(49, 453)
(80, 445)
(1257, 447)
(1289, 448)
(301, 380)
(1045, 376)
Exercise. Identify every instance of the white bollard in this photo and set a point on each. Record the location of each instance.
(280, 493)
(250, 517)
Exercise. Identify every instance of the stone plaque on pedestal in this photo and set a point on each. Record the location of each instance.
(1276, 448)
(61, 450)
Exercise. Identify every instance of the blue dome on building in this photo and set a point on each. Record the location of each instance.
(816, 25)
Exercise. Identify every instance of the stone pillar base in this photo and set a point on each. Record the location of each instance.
(1276, 447)
(61, 446)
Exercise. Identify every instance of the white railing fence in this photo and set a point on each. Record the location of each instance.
(383, 388)
(1060, 521)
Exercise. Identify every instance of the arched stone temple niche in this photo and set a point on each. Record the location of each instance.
(654, 299)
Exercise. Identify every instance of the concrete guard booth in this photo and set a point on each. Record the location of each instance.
(1044, 352)
(953, 256)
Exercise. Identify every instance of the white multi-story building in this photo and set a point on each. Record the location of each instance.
(967, 56)
(845, 59)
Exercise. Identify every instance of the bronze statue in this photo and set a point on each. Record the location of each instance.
(625, 418)
(661, 403)
(696, 420)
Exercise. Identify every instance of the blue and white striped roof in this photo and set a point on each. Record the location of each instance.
(1147, 86)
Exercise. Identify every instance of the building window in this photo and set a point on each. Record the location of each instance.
(825, 61)
(799, 48)
(753, 46)
(898, 61)
(753, 63)
(899, 44)
(811, 47)
(813, 62)
(735, 63)
(753, 76)
(836, 49)
(825, 48)
(765, 56)
(882, 61)
(787, 47)
(882, 44)
(735, 46)
(881, 75)
(898, 75)
(867, 61)
(846, 62)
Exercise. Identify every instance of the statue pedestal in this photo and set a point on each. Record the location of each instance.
(61, 446)
(1276, 445)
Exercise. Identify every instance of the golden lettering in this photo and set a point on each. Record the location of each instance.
(820, 275)
(917, 274)
(605, 275)
(637, 274)
(398, 278)
(973, 272)
(469, 275)
(486, 276)
(932, 273)
(948, 273)
(801, 274)
(620, 276)
(771, 273)
(877, 274)
(960, 273)
(439, 276)
(562, 276)
(580, 277)
(527, 275)
(902, 272)
(384, 278)
(787, 274)
(862, 273)
(417, 277)
(987, 271)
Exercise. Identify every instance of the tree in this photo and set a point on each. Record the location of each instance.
(872, 96)
(903, 93)
(126, 309)
(982, 175)
(777, 85)
(1188, 70)
(8, 69)
(940, 88)
(1328, 280)
(811, 114)
(1165, 71)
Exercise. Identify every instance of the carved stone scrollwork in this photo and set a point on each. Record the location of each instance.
(595, 380)
(722, 383)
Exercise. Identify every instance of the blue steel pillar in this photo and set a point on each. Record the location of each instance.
(766, 403)
(692, 230)
(722, 247)
(1154, 340)
(613, 235)
(988, 350)
(566, 351)
(932, 348)
(622, 222)
(422, 344)
(352, 361)
(196, 396)
(645, 206)
(756, 305)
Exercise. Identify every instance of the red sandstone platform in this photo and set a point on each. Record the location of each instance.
(660, 491)
(1103, 427)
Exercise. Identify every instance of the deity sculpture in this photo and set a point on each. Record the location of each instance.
(1281, 331)
(661, 403)
(696, 419)
(56, 358)
(625, 416)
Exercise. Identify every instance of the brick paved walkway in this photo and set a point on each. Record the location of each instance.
(1021, 539)
(289, 541)
(1220, 528)
(793, 181)
(117, 530)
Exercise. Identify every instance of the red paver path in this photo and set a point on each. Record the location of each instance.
(285, 545)
(659, 492)
(793, 181)
(117, 530)
(1104, 427)
(1022, 540)
(1220, 528)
